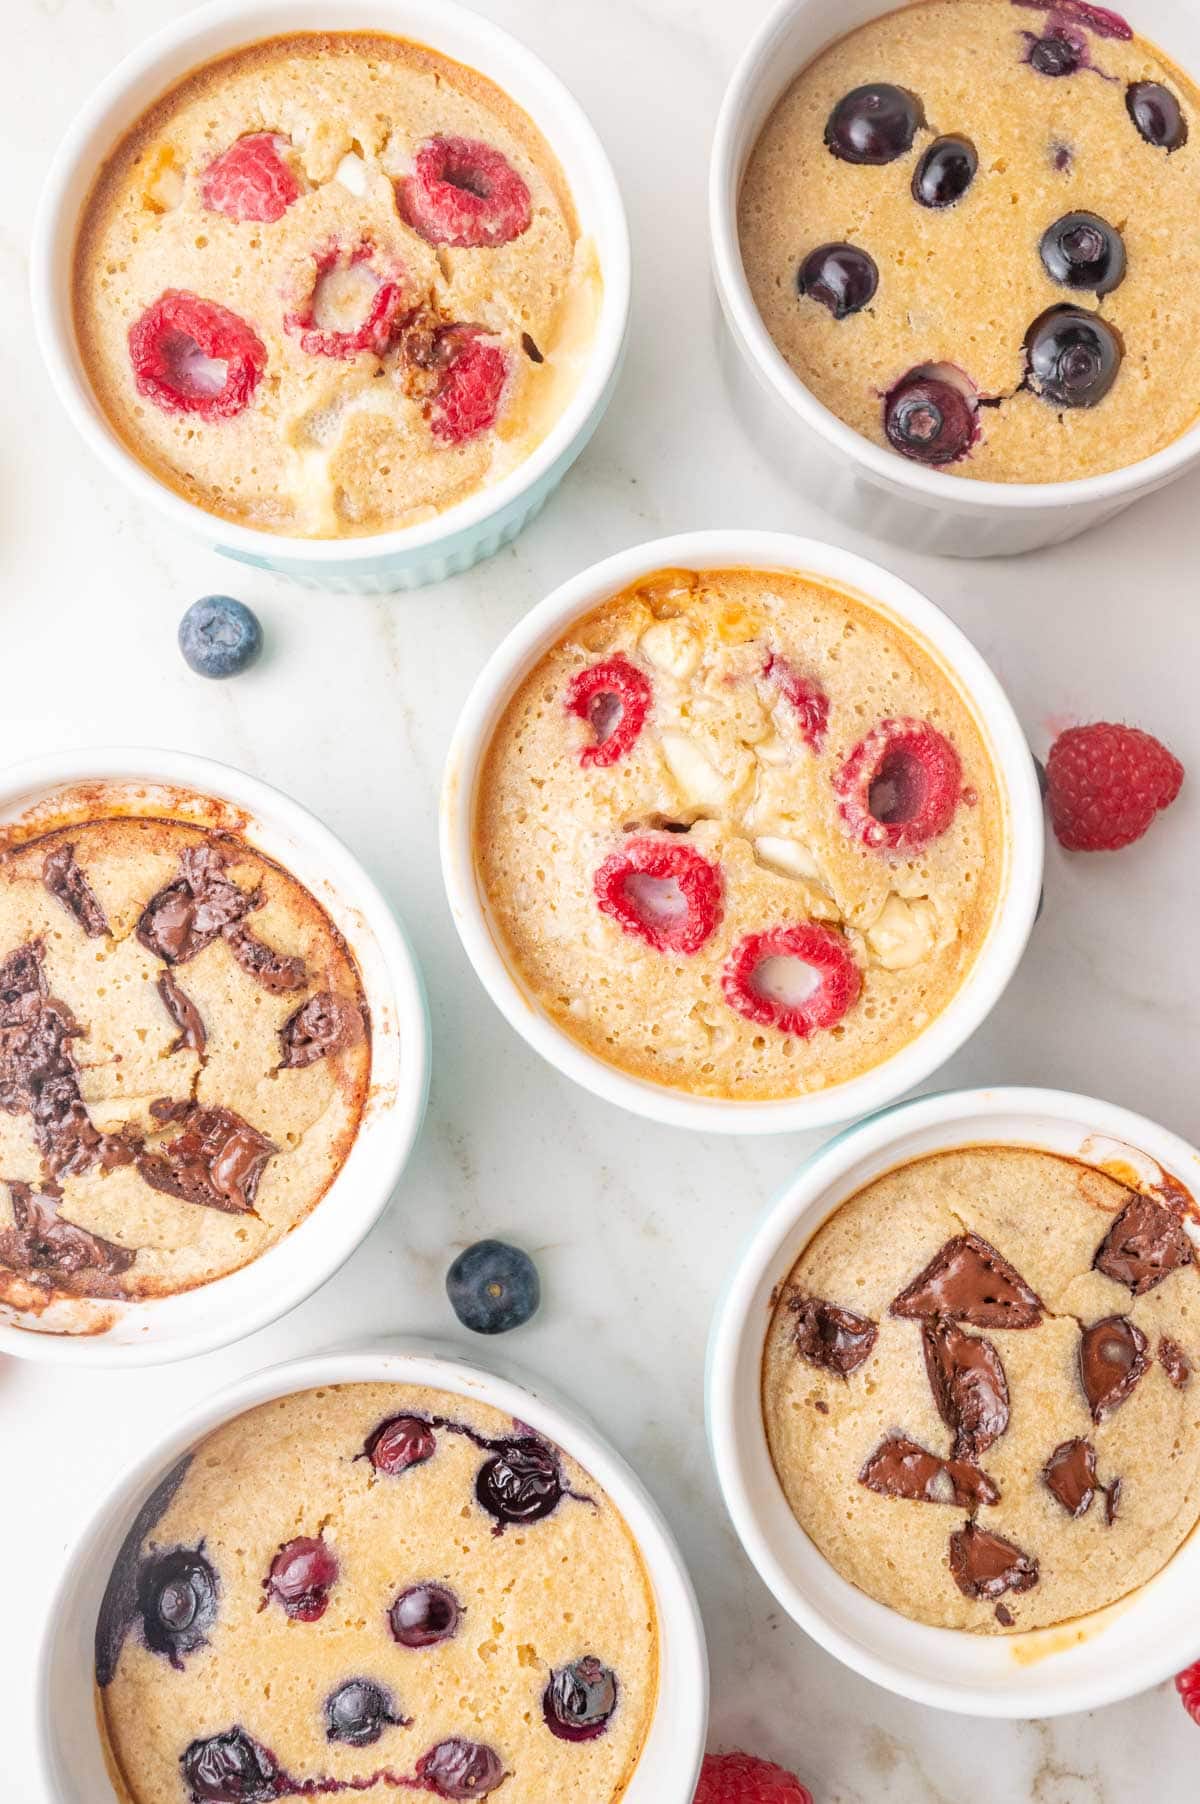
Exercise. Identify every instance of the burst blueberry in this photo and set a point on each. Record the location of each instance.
(177, 1598)
(520, 1483)
(220, 637)
(1081, 250)
(358, 1712)
(931, 418)
(580, 1699)
(873, 124)
(493, 1287)
(231, 1768)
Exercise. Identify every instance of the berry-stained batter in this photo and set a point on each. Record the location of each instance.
(740, 834)
(296, 1614)
(332, 285)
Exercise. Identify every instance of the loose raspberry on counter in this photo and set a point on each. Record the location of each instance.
(744, 1779)
(464, 193)
(900, 786)
(190, 355)
(1187, 1684)
(614, 698)
(353, 302)
(1105, 783)
(796, 979)
(251, 180)
(663, 891)
(806, 697)
(467, 398)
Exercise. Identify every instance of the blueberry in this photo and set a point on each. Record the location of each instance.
(945, 172)
(1058, 53)
(231, 1768)
(840, 276)
(424, 1615)
(219, 637)
(460, 1769)
(1073, 357)
(873, 124)
(580, 1699)
(1157, 114)
(521, 1483)
(177, 1598)
(930, 418)
(1081, 250)
(493, 1287)
(358, 1712)
(400, 1442)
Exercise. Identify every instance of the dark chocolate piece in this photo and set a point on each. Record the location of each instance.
(901, 1468)
(1145, 1244)
(324, 1024)
(1004, 1616)
(1174, 1361)
(1112, 1361)
(1070, 1476)
(984, 1565)
(1112, 1501)
(43, 1246)
(277, 972)
(216, 1161)
(184, 1013)
(188, 913)
(68, 884)
(969, 1387)
(969, 1281)
(835, 1339)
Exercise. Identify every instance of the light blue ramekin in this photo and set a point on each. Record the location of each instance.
(453, 541)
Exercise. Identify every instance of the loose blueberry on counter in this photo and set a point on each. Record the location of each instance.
(945, 172)
(493, 1287)
(177, 1598)
(424, 1615)
(930, 418)
(874, 124)
(1157, 114)
(1073, 357)
(580, 1699)
(231, 1768)
(400, 1442)
(301, 1577)
(521, 1483)
(1081, 250)
(840, 276)
(358, 1712)
(219, 637)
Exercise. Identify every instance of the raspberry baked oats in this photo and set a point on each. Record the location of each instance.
(330, 285)
(739, 833)
(184, 1059)
(979, 1387)
(968, 227)
(371, 1589)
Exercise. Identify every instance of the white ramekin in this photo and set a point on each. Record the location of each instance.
(71, 1756)
(52, 791)
(1021, 882)
(1083, 1665)
(477, 526)
(871, 487)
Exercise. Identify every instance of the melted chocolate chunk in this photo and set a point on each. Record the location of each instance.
(275, 971)
(1112, 1501)
(68, 884)
(901, 1468)
(969, 1281)
(119, 1604)
(324, 1024)
(1145, 1244)
(1070, 1476)
(184, 1014)
(835, 1339)
(967, 1379)
(1112, 1361)
(1174, 1361)
(984, 1565)
(189, 912)
(1004, 1616)
(42, 1246)
(216, 1161)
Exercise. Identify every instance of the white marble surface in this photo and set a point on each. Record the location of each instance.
(351, 711)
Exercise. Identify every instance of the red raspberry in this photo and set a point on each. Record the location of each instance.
(664, 892)
(1187, 1684)
(464, 193)
(190, 355)
(744, 1779)
(900, 785)
(614, 698)
(806, 697)
(761, 981)
(467, 398)
(1105, 784)
(374, 331)
(250, 180)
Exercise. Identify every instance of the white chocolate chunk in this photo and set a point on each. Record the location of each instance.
(351, 172)
(671, 645)
(789, 857)
(701, 782)
(904, 934)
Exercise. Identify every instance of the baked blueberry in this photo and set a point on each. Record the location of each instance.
(400, 1442)
(231, 1768)
(177, 1598)
(424, 1615)
(1060, 52)
(945, 172)
(931, 418)
(301, 1577)
(1157, 114)
(873, 124)
(493, 1287)
(358, 1712)
(460, 1769)
(840, 276)
(1081, 250)
(520, 1483)
(580, 1699)
(220, 637)
(1073, 357)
